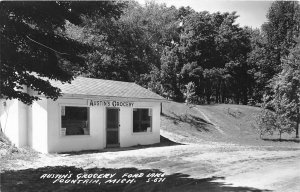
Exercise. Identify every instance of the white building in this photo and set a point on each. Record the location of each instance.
(92, 114)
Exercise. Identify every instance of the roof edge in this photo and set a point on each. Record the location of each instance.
(83, 96)
(66, 95)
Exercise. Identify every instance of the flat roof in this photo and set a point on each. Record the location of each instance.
(106, 88)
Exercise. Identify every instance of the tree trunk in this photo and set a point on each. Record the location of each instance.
(208, 92)
(280, 135)
(218, 100)
(223, 98)
(207, 98)
(223, 95)
(245, 97)
(237, 98)
(297, 123)
(178, 93)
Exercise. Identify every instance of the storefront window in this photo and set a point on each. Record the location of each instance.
(75, 120)
(142, 120)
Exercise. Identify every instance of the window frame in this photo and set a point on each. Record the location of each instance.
(60, 119)
(151, 121)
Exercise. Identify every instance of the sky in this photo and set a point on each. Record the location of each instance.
(252, 13)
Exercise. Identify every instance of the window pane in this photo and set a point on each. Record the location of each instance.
(142, 120)
(145, 116)
(144, 126)
(75, 120)
(112, 118)
(136, 126)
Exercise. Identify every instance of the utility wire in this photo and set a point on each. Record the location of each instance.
(47, 46)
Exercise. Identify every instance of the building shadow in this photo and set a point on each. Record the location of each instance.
(46, 179)
(164, 142)
(193, 120)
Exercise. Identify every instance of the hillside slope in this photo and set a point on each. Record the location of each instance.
(213, 123)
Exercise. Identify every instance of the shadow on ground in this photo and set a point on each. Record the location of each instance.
(282, 140)
(36, 180)
(163, 143)
(190, 119)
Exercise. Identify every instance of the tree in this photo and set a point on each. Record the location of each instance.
(215, 49)
(278, 60)
(190, 97)
(170, 73)
(259, 65)
(190, 93)
(34, 45)
(271, 44)
(286, 86)
(275, 120)
(191, 72)
(135, 41)
(285, 96)
(282, 28)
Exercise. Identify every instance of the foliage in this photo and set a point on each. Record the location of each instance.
(34, 45)
(282, 27)
(170, 73)
(135, 42)
(190, 94)
(190, 97)
(266, 122)
(275, 120)
(280, 33)
(214, 50)
(285, 97)
(272, 44)
(166, 48)
(275, 61)
(260, 67)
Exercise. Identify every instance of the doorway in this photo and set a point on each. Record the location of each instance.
(112, 127)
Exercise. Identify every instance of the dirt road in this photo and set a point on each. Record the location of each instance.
(265, 168)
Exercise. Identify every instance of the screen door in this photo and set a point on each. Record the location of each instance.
(112, 127)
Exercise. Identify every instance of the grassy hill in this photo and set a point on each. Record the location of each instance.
(213, 123)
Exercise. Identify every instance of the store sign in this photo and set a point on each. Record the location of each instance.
(110, 103)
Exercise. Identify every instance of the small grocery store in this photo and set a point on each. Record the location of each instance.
(91, 114)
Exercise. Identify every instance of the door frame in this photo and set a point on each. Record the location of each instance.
(112, 145)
